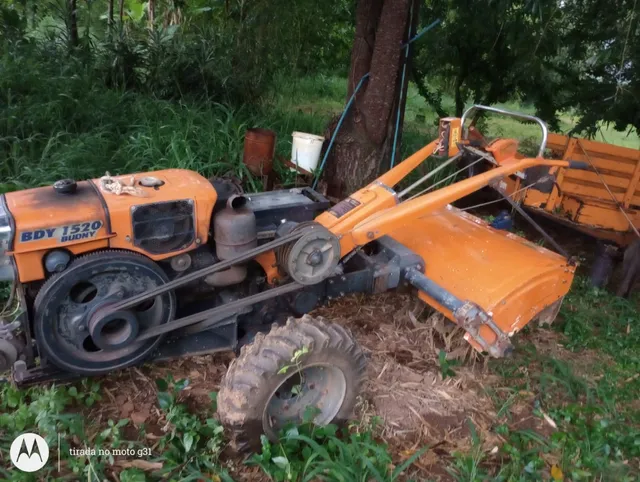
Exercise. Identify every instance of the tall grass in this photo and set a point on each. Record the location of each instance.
(59, 120)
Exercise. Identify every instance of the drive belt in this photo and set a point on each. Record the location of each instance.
(222, 312)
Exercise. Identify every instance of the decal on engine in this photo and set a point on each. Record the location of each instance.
(64, 234)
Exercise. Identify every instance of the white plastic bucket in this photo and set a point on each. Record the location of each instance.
(305, 150)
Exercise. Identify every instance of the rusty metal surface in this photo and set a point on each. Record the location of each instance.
(234, 229)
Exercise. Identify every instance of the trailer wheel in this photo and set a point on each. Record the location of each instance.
(305, 363)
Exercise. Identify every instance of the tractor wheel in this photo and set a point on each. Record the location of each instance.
(307, 363)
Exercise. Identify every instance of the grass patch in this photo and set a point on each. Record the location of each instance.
(584, 426)
(308, 453)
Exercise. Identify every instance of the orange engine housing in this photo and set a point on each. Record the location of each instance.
(164, 221)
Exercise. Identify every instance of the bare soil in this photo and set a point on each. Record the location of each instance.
(405, 393)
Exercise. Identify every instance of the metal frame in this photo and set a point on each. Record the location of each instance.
(517, 115)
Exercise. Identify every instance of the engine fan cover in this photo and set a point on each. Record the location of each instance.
(163, 227)
(64, 306)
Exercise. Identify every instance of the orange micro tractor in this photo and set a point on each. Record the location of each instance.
(114, 271)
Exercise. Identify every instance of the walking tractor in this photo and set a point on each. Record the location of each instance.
(116, 271)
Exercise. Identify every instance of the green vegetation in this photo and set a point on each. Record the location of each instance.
(308, 452)
(588, 421)
(140, 94)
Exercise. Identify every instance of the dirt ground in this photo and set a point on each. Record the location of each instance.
(405, 392)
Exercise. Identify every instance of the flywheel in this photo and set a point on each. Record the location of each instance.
(63, 326)
(313, 257)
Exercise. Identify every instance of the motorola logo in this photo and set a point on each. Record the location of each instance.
(29, 452)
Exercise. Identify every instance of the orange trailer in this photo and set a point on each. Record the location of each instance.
(603, 203)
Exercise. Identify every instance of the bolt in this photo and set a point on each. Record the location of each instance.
(370, 235)
(198, 240)
(315, 258)
(82, 328)
(127, 238)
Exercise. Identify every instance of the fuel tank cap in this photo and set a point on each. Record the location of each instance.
(65, 186)
(150, 181)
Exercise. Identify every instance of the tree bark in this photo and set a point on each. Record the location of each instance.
(151, 5)
(73, 22)
(110, 17)
(364, 140)
(121, 11)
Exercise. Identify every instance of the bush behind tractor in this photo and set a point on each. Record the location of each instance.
(111, 272)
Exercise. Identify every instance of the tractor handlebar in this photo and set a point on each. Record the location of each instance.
(580, 165)
(518, 115)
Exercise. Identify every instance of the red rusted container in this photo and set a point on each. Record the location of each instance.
(259, 148)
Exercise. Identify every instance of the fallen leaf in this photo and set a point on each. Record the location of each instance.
(556, 473)
(139, 417)
(139, 464)
(549, 420)
(126, 409)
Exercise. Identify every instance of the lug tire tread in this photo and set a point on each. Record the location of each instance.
(241, 405)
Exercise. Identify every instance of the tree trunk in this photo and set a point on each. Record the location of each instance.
(365, 138)
(73, 22)
(460, 100)
(121, 11)
(151, 5)
(110, 17)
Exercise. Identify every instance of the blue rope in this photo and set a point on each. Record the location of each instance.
(353, 96)
(396, 131)
(335, 132)
(422, 32)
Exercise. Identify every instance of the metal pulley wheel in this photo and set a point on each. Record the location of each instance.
(311, 258)
(67, 328)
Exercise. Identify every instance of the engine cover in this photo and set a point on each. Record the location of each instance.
(169, 212)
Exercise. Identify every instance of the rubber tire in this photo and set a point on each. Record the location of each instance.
(253, 376)
(39, 322)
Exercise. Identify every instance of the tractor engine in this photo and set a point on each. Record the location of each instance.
(159, 215)
(76, 249)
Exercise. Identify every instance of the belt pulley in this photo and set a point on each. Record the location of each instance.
(311, 258)
(309, 254)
